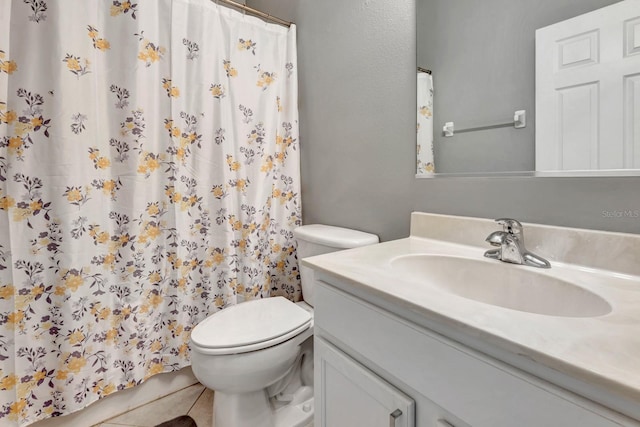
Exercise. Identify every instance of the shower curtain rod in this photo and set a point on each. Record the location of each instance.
(256, 12)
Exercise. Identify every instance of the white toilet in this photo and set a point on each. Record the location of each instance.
(258, 355)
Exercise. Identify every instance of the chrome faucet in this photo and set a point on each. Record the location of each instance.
(510, 242)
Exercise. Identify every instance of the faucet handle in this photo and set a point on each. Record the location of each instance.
(510, 226)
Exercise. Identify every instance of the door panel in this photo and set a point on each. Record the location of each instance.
(586, 91)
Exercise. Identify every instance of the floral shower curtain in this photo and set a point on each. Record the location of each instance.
(149, 176)
(425, 154)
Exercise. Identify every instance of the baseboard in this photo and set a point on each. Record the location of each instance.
(120, 402)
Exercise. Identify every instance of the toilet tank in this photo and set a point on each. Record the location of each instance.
(318, 239)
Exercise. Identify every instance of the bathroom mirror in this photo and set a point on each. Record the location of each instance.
(482, 58)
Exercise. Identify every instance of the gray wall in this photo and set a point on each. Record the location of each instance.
(482, 54)
(357, 62)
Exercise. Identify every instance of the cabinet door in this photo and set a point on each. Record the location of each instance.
(349, 395)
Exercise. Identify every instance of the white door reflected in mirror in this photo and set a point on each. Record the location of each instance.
(588, 91)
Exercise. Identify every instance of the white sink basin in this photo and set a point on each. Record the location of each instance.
(501, 284)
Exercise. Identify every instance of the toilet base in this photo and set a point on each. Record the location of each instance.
(295, 415)
(254, 410)
(242, 410)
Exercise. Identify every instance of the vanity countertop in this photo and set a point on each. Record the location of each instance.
(601, 353)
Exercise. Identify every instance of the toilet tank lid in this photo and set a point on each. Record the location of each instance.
(335, 237)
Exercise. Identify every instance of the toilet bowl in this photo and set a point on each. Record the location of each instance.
(244, 350)
(258, 355)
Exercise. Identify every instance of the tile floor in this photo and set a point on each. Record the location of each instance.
(195, 401)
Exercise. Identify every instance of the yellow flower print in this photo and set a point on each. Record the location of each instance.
(247, 45)
(75, 337)
(278, 104)
(124, 7)
(39, 376)
(102, 44)
(100, 313)
(99, 162)
(239, 184)
(20, 214)
(425, 111)
(182, 350)
(280, 157)
(149, 162)
(172, 92)
(103, 163)
(7, 66)
(8, 382)
(155, 278)
(16, 409)
(218, 91)
(74, 281)
(149, 52)
(218, 300)
(219, 192)
(35, 205)
(153, 209)
(15, 318)
(236, 225)
(76, 195)
(265, 78)
(231, 72)
(101, 389)
(233, 164)
(109, 259)
(98, 43)
(154, 368)
(38, 290)
(111, 335)
(9, 117)
(74, 65)
(155, 300)
(267, 165)
(218, 257)
(153, 232)
(76, 363)
(7, 202)
(108, 186)
(26, 124)
(6, 292)
(23, 128)
(155, 346)
(36, 121)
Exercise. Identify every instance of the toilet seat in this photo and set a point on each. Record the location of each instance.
(250, 326)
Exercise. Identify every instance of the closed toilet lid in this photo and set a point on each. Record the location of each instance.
(246, 326)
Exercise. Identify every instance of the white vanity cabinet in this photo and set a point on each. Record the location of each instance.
(354, 396)
(370, 362)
